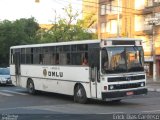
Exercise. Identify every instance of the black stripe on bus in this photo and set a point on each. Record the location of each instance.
(52, 79)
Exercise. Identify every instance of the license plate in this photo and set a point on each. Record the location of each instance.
(129, 93)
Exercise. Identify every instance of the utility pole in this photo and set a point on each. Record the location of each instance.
(98, 19)
(118, 17)
(153, 21)
(154, 53)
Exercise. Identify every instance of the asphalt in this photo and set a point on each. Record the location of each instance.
(153, 86)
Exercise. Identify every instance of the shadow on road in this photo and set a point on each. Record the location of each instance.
(68, 98)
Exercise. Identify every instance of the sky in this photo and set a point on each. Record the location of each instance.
(43, 12)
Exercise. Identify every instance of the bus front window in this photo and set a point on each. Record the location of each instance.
(122, 59)
(134, 59)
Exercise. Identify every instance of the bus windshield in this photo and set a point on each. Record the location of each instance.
(122, 59)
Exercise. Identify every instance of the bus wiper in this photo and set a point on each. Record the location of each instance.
(119, 69)
(137, 68)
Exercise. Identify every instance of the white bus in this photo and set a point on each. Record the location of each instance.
(109, 69)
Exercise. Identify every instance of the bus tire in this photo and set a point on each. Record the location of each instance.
(80, 94)
(30, 87)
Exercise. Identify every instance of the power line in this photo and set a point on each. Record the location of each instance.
(108, 2)
(100, 3)
(98, 7)
(107, 8)
(90, 12)
(124, 11)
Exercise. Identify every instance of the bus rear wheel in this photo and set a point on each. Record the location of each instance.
(30, 87)
(80, 94)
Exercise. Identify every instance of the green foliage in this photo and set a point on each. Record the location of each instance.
(88, 20)
(27, 31)
(19, 32)
(66, 30)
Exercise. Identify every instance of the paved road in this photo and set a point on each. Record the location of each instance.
(15, 101)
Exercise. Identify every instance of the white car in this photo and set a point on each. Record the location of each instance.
(5, 76)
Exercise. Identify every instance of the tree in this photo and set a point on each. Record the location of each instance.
(18, 32)
(88, 20)
(66, 30)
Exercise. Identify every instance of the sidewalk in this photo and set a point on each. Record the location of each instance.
(152, 85)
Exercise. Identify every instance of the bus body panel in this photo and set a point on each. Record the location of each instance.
(54, 78)
(124, 83)
(63, 77)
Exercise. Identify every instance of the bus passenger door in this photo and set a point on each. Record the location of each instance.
(93, 81)
(17, 67)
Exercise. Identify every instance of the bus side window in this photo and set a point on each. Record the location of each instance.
(104, 60)
(93, 57)
(85, 59)
(76, 58)
(68, 59)
(40, 58)
(57, 59)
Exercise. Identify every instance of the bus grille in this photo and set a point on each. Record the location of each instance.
(126, 86)
(127, 78)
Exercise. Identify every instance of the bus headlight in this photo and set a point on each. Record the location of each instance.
(142, 84)
(111, 87)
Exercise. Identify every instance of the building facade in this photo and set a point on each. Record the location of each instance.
(132, 18)
(90, 14)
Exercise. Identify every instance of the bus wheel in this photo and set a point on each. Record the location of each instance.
(80, 94)
(30, 87)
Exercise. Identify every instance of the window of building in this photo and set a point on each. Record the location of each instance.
(157, 15)
(157, 1)
(120, 6)
(111, 26)
(108, 8)
(112, 7)
(139, 4)
(146, 24)
(149, 3)
(139, 20)
(103, 9)
(103, 27)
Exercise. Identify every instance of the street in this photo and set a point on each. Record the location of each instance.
(15, 100)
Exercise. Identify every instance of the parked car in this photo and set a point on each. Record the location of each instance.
(5, 76)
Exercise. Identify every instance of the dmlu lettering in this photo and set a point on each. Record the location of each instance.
(55, 74)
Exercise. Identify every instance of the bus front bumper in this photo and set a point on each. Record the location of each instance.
(122, 94)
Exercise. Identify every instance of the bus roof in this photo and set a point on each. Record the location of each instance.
(72, 42)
